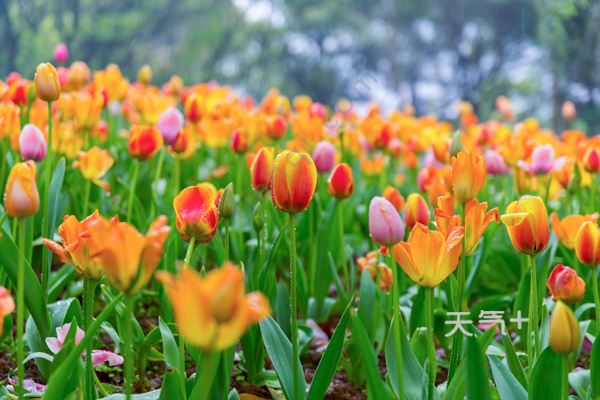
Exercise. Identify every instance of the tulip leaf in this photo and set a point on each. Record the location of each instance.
(375, 384)
(458, 386)
(7, 325)
(169, 345)
(60, 280)
(154, 395)
(595, 366)
(279, 349)
(330, 360)
(338, 282)
(366, 303)
(514, 364)
(266, 277)
(478, 383)
(282, 309)
(418, 344)
(545, 381)
(508, 386)
(417, 311)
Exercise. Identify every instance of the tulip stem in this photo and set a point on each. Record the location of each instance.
(128, 347)
(432, 363)
(536, 327)
(46, 258)
(88, 315)
(176, 174)
(100, 387)
(458, 339)
(136, 171)
(161, 159)
(593, 192)
(190, 250)
(21, 308)
(396, 321)
(294, 306)
(4, 163)
(188, 257)
(226, 240)
(565, 378)
(343, 248)
(86, 198)
(596, 296)
(208, 375)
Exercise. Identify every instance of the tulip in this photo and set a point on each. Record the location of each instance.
(7, 305)
(239, 141)
(214, 312)
(28, 384)
(440, 149)
(276, 127)
(144, 142)
(385, 225)
(196, 214)
(565, 335)
(445, 220)
(32, 143)
(527, 223)
(79, 74)
(566, 230)
(47, 84)
(371, 261)
(260, 171)
(587, 248)
(456, 145)
(591, 160)
(98, 356)
(169, 124)
(193, 107)
(94, 164)
(468, 175)
(341, 182)
(495, 163)
(145, 74)
(61, 53)
(543, 161)
(324, 156)
(476, 222)
(293, 181)
(21, 198)
(565, 285)
(416, 211)
(568, 110)
(392, 195)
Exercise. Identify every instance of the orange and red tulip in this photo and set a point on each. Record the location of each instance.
(7, 305)
(214, 312)
(417, 211)
(567, 228)
(78, 246)
(144, 142)
(47, 84)
(94, 164)
(196, 213)
(393, 196)
(587, 244)
(565, 285)
(468, 175)
(21, 198)
(260, 170)
(527, 223)
(591, 160)
(293, 181)
(341, 182)
(239, 141)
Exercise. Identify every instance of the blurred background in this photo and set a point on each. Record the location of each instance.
(428, 53)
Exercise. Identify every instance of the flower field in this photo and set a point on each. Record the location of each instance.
(186, 242)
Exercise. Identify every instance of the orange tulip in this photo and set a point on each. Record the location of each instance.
(7, 305)
(128, 257)
(77, 246)
(566, 230)
(87, 108)
(416, 211)
(21, 198)
(527, 223)
(144, 142)
(341, 182)
(587, 244)
(47, 84)
(591, 160)
(94, 165)
(293, 181)
(565, 334)
(213, 313)
(393, 196)
(79, 74)
(260, 171)
(445, 220)
(468, 175)
(145, 74)
(371, 261)
(239, 141)
(196, 213)
(565, 285)
(476, 222)
(429, 257)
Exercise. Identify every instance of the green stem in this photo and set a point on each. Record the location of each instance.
(565, 378)
(176, 175)
(397, 321)
(128, 348)
(21, 308)
(190, 250)
(226, 240)
(136, 171)
(432, 363)
(294, 306)
(46, 257)
(238, 178)
(536, 327)
(161, 159)
(4, 216)
(4, 163)
(88, 310)
(596, 296)
(208, 376)
(343, 247)
(100, 386)
(311, 260)
(86, 198)
(593, 193)
(458, 339)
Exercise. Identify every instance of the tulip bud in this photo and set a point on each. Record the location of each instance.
(144, 142)
(565, 334)
(385, 225)
(239, 141)
(227, 202)
(260, 170)
(47, 84)
(293, 181)
(61, 53)
(568, 110)
(591, 160)
(393, 196)
(21, 198)
(341, 182)
(32, 143)
(416, 211)
(494, 163)
(587, 244)
(441, 148)
(324, 156)
(456, 144)
(169, 123)
(32, 94)
(468, 175)
(79, 74)
(565, 285)
(257, 218)
(145, 74)
(575, 181)
(276, 127)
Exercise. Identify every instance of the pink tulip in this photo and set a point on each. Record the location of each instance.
(324, 156)
(385, 225)
(28, 384)
(169, 123)
(98, 356)
(61, 53)
(63, 77)
(317, 110)
(543, 161)
(429, 160)
(32, 143)
(494, 163)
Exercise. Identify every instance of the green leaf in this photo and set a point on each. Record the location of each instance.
(267, 282)
(545, 381)
(282, 309)
(478, 384)
(7, 325)
(338, 282)
(418, 344)
(514, 365)
(169, 345)
(375, 384)
(417, 311)
(453, 293)
(595, 367)
(458, 387)
(279, 349)
(60, 280)
(154, 395)
(330, 360)
(508, 386)
(366, 303)
(54, 201)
